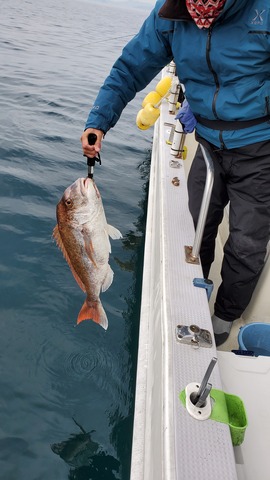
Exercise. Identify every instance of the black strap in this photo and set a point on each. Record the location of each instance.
(234, 125)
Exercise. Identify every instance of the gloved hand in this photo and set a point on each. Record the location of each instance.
(186, 118)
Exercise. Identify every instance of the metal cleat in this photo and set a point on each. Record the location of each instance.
(194, 336)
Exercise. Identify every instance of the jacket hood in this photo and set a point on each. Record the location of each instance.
(177, 10)
(174, 10)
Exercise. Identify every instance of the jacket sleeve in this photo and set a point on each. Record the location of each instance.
(141, 60)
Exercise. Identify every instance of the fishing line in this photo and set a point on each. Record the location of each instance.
(106, 40)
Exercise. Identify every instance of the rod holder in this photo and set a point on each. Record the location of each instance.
(178, 141)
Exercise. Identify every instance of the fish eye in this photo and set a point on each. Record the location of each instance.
(68, 202)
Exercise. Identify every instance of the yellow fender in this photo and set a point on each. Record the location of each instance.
(139, 123)
(164, 86)
(147, 116)
(152, 97)
(150, 112)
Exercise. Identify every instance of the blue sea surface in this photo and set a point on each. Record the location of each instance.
(67, 393)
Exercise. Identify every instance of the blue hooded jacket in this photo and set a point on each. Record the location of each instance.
(225, 69)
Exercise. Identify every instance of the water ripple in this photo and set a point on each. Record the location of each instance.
(77, 372)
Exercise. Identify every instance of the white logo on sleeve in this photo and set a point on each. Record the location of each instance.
(258, 17)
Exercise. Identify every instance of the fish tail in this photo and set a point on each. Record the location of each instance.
(93, 311)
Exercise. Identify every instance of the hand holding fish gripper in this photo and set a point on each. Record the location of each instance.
(92, 138)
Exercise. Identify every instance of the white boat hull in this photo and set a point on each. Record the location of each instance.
(168, 444)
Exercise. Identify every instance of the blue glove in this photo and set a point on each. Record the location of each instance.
(186, 117)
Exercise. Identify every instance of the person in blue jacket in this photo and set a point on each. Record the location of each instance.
(222, 53)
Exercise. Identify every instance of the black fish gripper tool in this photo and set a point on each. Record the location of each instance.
(92, 138)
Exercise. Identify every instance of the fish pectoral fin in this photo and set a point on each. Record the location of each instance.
(113, 232)
(107, 280)
(89, 248)
(59, 242)
(93, 311)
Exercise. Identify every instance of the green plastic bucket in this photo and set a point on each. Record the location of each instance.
(237, 418)
(230, 409)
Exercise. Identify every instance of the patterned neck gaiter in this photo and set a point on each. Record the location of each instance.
(204, 12)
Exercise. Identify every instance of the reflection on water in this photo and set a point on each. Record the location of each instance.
(86, 457)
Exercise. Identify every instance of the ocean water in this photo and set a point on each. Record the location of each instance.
(67, 393)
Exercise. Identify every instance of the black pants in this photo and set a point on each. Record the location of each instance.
(242, 179)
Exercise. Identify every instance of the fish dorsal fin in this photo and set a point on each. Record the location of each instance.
(113, 232)
(60, 244)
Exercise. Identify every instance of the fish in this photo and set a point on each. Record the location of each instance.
(82, 233)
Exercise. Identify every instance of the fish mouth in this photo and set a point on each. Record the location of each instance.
(86, 182)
